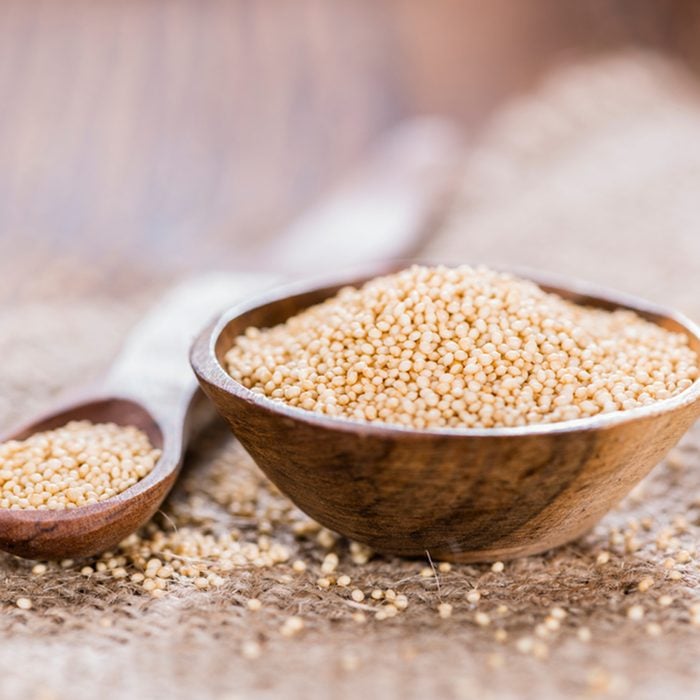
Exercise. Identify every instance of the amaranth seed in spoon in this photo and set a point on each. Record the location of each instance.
(79, 464)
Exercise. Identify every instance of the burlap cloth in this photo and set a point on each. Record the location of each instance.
(596, 174)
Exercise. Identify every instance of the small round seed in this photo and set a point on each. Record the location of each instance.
(444, 610)
(292, 626)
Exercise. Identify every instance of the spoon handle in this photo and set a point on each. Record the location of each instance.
(153, 366)
(384, 210)
(381, 212)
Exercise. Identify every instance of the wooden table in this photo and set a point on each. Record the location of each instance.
(142, 139)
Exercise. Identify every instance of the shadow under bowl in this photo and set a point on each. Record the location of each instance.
(464, 495)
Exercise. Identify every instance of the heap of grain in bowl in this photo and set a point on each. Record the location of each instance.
(439, 347)
(80, 464)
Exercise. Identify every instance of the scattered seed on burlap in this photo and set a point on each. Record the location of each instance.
(206, 547)
(437, 347)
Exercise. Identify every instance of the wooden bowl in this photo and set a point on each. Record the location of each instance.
(462, 494)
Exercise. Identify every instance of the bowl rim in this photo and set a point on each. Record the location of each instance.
(208, 369)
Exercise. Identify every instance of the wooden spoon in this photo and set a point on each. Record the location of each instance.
(461, 494)
(384, 210)
(151, 387)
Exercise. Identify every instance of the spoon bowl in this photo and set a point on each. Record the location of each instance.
(83, 531)
(462, 494)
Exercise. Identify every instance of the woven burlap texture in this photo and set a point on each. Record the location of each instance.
(595, 174)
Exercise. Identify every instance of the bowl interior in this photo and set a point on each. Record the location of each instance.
(280, 309)
(273, 313)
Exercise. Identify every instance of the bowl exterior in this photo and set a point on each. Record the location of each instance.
(461, 498)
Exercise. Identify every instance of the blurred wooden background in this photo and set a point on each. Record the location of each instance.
(143, 138)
